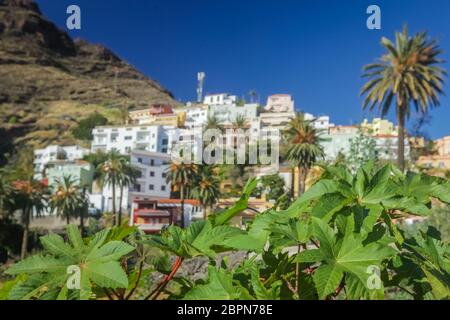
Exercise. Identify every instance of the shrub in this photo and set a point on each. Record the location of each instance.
(84, 129)
(338, 240)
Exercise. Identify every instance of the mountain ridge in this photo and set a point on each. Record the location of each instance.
(42, 67)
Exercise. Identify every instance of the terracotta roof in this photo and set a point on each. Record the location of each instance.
(167, 201)
(385, 136)
(178, 201)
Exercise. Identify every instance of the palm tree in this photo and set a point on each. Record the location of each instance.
(304, 147)
(112, 171)
(408, 72)
(207, 186)
(30, 198)
(239, 122)
(181, 176)
(69, 200)
(127, 177)
(214, 123)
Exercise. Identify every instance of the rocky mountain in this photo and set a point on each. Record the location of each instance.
(49, 81)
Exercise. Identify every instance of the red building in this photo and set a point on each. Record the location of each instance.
(152, 215)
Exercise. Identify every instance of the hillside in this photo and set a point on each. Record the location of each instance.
(48, 81)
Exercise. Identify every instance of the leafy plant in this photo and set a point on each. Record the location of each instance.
(47, 274)
(339, 240)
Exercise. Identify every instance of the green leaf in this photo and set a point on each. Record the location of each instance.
(55, 245)
(107, 274)
(310, 256)
(327, 279)
(219, 287)
(75, 237)
(239, 206)
(439, 288)
(113, 250)
(37, 264)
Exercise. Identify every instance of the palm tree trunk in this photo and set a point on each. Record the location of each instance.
(302, 174)
(67, 218)
(401, 138)
(120, 206)
(82, 222)
(26, 227)
(114, 201)
(293, 182)
(182, 205)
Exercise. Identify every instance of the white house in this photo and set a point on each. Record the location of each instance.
(387, 146)
(338, 140)
(154, 138)
(227, 113)
(319, 122)
(220, 99)
(280, 103)
(52, 153)
(153, 173)
(196, 116)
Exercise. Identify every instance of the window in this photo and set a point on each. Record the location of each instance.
(140, 160)
(164, 150)
(152, 173)
(163, 188)
(165, 141)
(152, 162)
(164, 175)
(128, 138)
(151, 187)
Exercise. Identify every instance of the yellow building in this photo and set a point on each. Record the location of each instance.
(440, 160)
(443, 146)
(158, 115)
(379, 126)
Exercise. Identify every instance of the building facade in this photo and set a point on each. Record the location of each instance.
(338, 140)
(81, 172)
(152, 181)
(228, 113)
(196, 116)
(387, 147)
(220, 99)
(379, 126)
(440, 160)
(53, 153)
(125, 139)
(280, 103)
(152, 215)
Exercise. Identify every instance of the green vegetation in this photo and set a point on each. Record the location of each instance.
(69, 201)
(362, 150)
(339, 240)
(84, 129)
(304, 147)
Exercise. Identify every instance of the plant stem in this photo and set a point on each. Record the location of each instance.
(141, 265)
(166, 280)
(108, 294)
(297, 271)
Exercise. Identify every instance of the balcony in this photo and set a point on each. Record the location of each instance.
(152, 227)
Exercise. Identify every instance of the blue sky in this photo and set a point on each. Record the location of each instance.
(314, 50)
